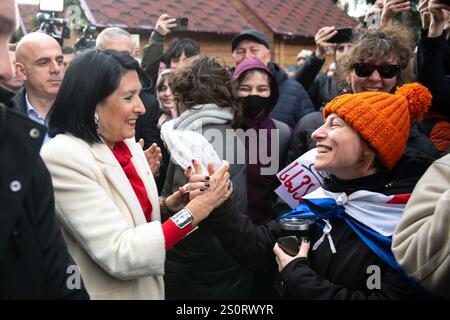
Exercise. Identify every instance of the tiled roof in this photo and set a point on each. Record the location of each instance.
(299, 17)
(27, 12)
(212, 16)
(291, 17)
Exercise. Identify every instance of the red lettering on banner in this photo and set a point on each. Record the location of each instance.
(282, 178)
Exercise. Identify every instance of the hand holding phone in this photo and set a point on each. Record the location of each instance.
(182, 24)
(165, 24)
(322, 41)
(343, 35)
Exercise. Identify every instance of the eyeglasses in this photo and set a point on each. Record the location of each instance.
(386, 71)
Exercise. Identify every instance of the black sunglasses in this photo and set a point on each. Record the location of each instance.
(386, 71)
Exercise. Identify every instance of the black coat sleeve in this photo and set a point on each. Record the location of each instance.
(146, 128)
(249, 244)
(308, 71)
(430, 72)
(153, 52)
(299, 281)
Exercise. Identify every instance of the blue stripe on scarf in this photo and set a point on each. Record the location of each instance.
(328, 209)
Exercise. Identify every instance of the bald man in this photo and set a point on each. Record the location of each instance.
(39, 63)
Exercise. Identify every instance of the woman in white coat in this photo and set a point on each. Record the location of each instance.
(105, 194)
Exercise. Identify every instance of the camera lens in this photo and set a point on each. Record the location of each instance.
(301, 228)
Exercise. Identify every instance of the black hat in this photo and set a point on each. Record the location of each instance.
(252, 34)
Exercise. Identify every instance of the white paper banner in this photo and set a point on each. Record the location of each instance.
(299, 178)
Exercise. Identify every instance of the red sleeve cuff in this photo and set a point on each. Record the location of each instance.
(173, 234)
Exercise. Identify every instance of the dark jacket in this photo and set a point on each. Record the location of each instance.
(293, 102)
(146, 125)
(430, 72)
(260, 186)
(153, 53)
(34, 262)
(323, 275)
(321, 88)
(432, 61)
(20, 102)
(198, 267)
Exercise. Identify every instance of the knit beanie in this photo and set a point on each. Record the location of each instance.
(254, 64)
(383, 119)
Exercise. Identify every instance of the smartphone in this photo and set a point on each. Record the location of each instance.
(289, 244)
(342, 35)
(182, 24)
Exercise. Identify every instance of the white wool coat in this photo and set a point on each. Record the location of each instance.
(120, 255)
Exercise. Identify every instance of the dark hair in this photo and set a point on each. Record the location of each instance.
(377, 163)
(178, 46)
(202, 80)
(91, 77)
(67, 50)
(378, 44)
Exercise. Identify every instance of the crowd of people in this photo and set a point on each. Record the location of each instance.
(156, 179)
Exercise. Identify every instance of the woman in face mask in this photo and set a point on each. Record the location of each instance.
(257, 93)
(255, 84)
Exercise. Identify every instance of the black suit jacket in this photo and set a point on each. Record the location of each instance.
(20, 103)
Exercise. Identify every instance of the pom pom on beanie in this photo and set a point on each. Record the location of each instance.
(418, 97)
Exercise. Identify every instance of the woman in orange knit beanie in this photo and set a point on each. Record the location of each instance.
(359, 146)
(382, 120)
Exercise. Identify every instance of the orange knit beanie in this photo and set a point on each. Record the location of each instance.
(383, 119)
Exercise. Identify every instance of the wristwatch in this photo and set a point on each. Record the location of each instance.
(182, 218)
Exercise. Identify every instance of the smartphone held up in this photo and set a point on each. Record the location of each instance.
(182, 24)
(343, 35)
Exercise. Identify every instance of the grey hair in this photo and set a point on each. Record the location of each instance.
(112, 32)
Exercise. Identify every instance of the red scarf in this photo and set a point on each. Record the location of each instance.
(123, 155)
